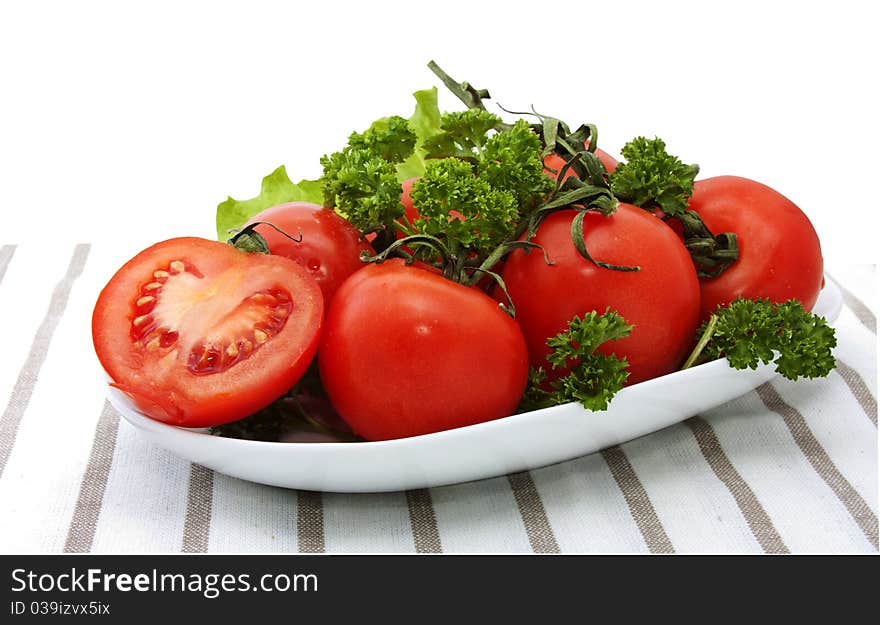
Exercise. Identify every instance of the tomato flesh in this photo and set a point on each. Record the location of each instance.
(198, 333)
(406, 352)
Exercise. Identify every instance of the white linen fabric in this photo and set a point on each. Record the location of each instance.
(788, 468)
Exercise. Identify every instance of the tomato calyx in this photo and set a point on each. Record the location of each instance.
(711, 253)
(248, 239)
(456, 266)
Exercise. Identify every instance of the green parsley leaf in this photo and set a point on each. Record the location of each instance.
(390, 138)
(360, 181)
(462, 135)
(463, 209)
(536, 396)
(511, 160)
(750, 332)
(652, 178)
(592, 378)
(479, 181)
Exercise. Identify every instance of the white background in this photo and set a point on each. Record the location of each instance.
(131, 122)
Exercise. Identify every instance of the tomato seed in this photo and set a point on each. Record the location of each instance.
(177, 266)
(264, 299)
(246, 348)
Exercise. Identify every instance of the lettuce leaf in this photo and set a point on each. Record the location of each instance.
(425, 122)
(277, 188)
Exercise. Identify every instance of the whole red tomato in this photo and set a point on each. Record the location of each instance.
(406, 352)
(330, 248)
(199, 333)
(661, 300)
(779, 253)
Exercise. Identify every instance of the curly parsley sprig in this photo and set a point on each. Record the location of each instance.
(751, 332)
(479, 182)
(360, 181)
(653, 179)
(481, 177)
(469, 213)
(592, 378)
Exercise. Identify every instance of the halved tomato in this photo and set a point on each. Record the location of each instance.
(198, 333)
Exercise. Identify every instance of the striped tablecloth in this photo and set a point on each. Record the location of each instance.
(789, 468)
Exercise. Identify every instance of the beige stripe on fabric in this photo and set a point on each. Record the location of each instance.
(30, 371)
(6, 253)
(81, 532)
(199, 502)
(640, 506)
(534, 516)
(859, 389)
(426, 536)
(821, 462)
(753, 512)
(864, 314)
(310, 522)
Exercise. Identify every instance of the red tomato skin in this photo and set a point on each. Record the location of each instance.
(779, 253)
(409, 210)
(330, 248)
(661, 300)
(161, 386)
(406, 352)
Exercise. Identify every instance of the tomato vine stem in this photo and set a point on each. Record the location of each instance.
(701, 344)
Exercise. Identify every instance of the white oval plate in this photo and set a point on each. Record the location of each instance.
(516, 443)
